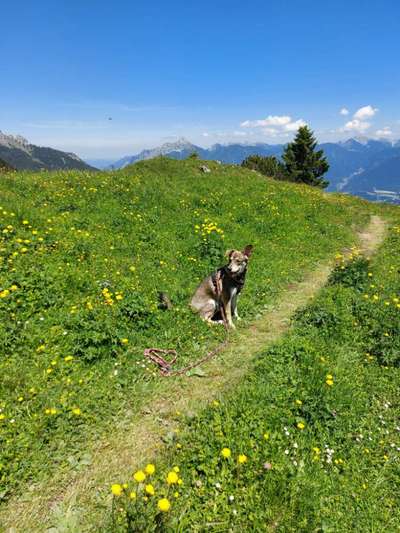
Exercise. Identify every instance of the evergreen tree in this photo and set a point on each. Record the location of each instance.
(303, 164)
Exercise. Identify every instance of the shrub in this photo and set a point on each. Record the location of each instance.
(351, 274)
(269, 166)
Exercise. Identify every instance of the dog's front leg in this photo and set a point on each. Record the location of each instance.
(228, 312)
(234, 306)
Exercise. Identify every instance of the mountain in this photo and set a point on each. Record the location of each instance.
(357, 164)
(180, 149)
(347, 173)
(350, 158)
(20, 154)
(236, 153)
(382, 176)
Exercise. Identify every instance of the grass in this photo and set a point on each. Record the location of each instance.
(84, 498)
(83, 257)
(310, 439)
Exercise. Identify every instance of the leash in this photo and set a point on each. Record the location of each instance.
(154, 354)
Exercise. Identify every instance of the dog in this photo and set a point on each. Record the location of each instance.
(217, 294)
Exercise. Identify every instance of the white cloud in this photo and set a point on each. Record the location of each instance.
(384, 132)
(275, 125)
(365, 112)
(240, 133)
(356, 125)
(205, 134)
(269, 121)
(359, 122)
(271, 132)
(294, 126)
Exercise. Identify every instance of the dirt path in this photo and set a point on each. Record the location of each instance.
(78, 503)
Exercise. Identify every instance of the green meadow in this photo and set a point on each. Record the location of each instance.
(309, 434)
(309, 441)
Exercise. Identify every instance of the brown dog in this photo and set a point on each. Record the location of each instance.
(210, 301)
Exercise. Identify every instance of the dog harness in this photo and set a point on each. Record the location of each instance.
(237, 281)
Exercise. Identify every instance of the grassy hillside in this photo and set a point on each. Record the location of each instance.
(309, 441)
(83, 257)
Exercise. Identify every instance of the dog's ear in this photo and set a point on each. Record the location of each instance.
(229, 253)
(247, 251)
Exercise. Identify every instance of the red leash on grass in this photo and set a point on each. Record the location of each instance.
(166, 366)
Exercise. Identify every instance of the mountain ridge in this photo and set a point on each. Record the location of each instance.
(17, 152)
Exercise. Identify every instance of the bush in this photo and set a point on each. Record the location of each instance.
(351, 274)
(269, 166)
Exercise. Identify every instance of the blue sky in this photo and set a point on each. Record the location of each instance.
(217, 71)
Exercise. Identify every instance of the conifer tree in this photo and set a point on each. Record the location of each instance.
(303, 164)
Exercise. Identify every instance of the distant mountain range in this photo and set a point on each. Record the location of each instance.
(182, 148)
(357, 166)
(21, 155)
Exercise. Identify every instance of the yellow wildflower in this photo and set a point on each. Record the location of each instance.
(116, 489)
(172, 478)
(164, 505)
(150, 469)
(150, 489)
(139, 476)
(225, 452)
